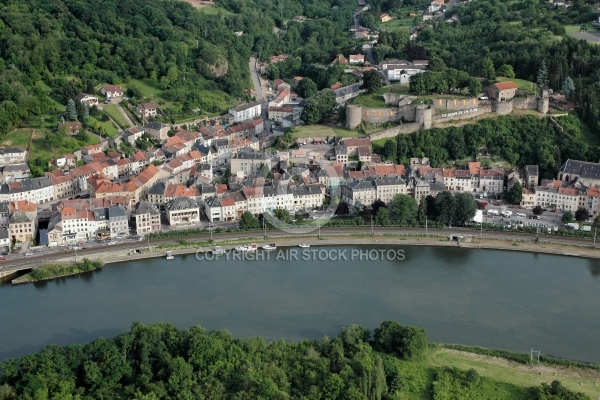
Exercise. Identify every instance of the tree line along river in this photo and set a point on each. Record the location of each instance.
(496, 299)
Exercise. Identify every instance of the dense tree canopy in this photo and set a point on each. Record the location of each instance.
(520, 141)
(161, 362)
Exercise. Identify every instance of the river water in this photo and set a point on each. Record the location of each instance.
(496, 299)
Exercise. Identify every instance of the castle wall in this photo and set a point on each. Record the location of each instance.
(381, 115)
(456, 104)
(394, 131)
(461, 114)
(523, 103)
(392, 99)
(502, 107)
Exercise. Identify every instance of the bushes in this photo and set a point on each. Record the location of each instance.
(56, 270)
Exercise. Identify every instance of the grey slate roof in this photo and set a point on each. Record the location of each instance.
(584, 169)
(144, 207)
(101, 214)
(116, 212)
(3, 233)
(155, 125)
(182, 203)
(532, 170)
(19, 217)
(158, 188)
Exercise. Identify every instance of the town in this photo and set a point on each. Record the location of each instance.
(213, 172)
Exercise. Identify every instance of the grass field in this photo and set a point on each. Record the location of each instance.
(578, 380)
(112, 111)
(214, 102)
(521, 83)
(375, 100)
(109, 128)
(309, 131)
(18, 138)
(39, 148)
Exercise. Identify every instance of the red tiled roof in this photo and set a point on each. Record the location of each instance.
(505, 85)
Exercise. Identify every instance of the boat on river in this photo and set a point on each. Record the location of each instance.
(170, 255)
(218, 251)
(304, 245)
(271, 246)
(247, 247)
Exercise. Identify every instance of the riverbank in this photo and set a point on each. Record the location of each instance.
(108, 255)
(360, 240)
(111, 255)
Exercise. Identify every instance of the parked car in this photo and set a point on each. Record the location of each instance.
(29, 253)
(3, 258)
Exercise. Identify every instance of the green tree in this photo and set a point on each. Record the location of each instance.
(465, 209)
(542, 75)
(506, 70)
(71, 110)
(568, 87)
(515, 194)
(282, 215)
(582, 214)
(445, 206)
(82, 135)
(306, 88)
(382, 217)
(371, 81)
(567, 217)
(538, 210)
(319, 107)
(248, 221)
(406, 342)
(403, 209)
(487, 68)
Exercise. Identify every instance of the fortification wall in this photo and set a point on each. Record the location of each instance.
(456, 104)
(502, 107)
(522, 103)
(409, 112)
(381, 115)
(392, 99)
(394, 131)
(462, 114)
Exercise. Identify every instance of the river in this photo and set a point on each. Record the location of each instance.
(496, 299)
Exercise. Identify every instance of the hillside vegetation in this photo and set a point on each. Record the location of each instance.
(161, 362)
(518, 140)
(53, 50)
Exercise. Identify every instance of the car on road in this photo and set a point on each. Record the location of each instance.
(29, 253)
(3, 258)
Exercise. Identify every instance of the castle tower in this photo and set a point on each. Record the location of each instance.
(353, 116)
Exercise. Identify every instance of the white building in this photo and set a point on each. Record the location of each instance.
(246, 112)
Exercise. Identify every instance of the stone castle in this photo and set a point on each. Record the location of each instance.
(414, 117)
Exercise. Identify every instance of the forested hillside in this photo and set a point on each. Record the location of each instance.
(525, 35)
(161, 362)
(519, 141)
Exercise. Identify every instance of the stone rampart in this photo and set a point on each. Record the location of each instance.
(461, 114)
(456, 104)
(394, 131)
